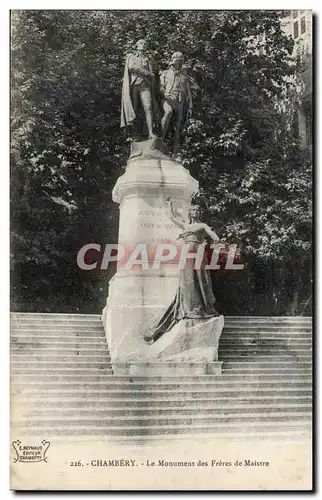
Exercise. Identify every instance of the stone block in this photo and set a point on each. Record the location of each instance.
(166, 369)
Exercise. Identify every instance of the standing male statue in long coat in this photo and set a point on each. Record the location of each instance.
(139, 91)
(177, 100)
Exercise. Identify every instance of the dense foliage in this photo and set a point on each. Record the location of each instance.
(68, 151)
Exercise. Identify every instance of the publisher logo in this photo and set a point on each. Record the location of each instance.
(30, 452)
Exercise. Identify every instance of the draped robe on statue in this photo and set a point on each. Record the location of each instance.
(194, 298)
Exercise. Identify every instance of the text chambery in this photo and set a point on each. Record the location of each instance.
(184, 463)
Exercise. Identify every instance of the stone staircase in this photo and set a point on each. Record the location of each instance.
(62, 383)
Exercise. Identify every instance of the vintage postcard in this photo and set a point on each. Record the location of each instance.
(161, 250)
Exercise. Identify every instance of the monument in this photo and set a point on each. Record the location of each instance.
(159, 320)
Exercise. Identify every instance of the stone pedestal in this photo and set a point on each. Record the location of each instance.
(140, 293)
(137, 295)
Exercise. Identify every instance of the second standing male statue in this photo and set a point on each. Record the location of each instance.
(177, 100)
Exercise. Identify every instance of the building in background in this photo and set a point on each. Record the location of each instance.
(298, 24)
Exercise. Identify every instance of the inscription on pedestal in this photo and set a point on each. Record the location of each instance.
(147, 225)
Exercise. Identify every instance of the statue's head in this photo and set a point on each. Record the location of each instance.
(194, 212)
(141, 45)
(177, 59)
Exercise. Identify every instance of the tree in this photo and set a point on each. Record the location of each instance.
(67, 149)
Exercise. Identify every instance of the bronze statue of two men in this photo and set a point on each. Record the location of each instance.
(141, 89)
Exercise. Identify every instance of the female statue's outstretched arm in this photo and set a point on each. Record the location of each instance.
(180, 222)
(211, 234)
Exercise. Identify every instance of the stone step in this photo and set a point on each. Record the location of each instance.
(100, 343)
(263, 327)
(249, 338)
(302, 426)
(77, 366)
(258, 433)
(299, 355)
(70, 329)
(262, 341)
(269, 332)
(267, 371)
(103, 356)
(31, 373)
(293, 329)
(48, 352)
(269, 356)
(86, 390)
(289, 326)
(40, 371)
(256, 364)
(26, 345)
(302, 355)
(282, 347)
(25, 377)
(30, 349)
(257, 358)
(62, 342)
(265, 349)
(171, 411)
(59, 400)
(61, 317)
(109, 392)
(22, 378)
(56, 316)
(119, 380)
(96, 337)
(159, 420)
(20, 374)
(300, 361)
(235, 366)
(98, 322)
(232, 320)
(98, 326)
(100, 357)
(220, 383)
(72, 362)
(89, 354)
(60, 327)
(59, 336)
(233, 360)
(243, 333)
(78, 315)
(41, 329)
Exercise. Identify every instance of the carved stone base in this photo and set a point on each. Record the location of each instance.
(190, 343)
(190, 340)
